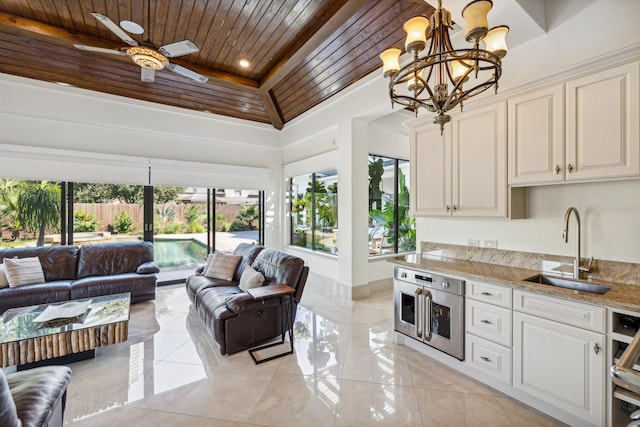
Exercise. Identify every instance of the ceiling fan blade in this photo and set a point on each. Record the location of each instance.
(187, 73)
(147, 75)
(184, 47)
(115, 29)
(100, 50)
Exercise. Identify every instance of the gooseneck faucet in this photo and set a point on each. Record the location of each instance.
(577, 270)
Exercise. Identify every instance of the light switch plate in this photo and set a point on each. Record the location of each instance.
(473, 242)
(491, 244)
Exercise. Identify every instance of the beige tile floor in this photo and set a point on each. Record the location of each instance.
(345, 371)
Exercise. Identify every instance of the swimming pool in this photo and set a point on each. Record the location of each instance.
(178, 253)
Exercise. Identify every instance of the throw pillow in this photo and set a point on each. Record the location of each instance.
(207, 264)
(222, 266)
(23, 271)
(250, 279)
(4, 282)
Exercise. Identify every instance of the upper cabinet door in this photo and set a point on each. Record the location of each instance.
(536, 137)
(480, 162)
(430, 171)
(603, 124)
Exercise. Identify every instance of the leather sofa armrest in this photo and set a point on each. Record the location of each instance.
(245, 302)
(148, 267)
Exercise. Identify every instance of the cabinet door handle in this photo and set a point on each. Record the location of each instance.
(570, 168)
(557, 169)
(455, 208)
(485, 358)
(596, 348)
(486, 322)
(488, 294)
(448, 208)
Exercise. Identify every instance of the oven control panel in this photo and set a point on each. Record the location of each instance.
(430, 280)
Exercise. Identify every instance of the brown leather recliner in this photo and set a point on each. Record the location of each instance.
(233, 318)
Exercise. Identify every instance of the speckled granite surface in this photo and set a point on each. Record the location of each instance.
(510, 268)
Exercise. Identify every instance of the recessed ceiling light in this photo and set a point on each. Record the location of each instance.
(244, 63)
(131, 27)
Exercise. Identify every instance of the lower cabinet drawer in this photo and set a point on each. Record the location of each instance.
(488, 321)
(488, 357)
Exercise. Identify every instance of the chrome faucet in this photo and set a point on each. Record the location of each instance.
(577, 269)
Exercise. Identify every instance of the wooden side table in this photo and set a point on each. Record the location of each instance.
(283, 292)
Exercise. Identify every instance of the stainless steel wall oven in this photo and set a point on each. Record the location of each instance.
(430, 308)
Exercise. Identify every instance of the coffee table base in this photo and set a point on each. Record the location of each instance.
(62, 360)
(43, 349)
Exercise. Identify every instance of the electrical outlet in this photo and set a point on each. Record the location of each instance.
(473, 242)
(493, 244)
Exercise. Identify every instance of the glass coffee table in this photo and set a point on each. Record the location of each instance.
(26, 344)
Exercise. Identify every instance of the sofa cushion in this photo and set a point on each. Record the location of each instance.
(278, 267)
(23, 271)
(8, 413)
(104, 259)
(40, 293)
(250, 279)
(4, 282)
(39, 394)
(141, 287)
(249, 252)
(222, 266)
(58, 262)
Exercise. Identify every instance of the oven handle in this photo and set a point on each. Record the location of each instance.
(418, 312)
(427, 314)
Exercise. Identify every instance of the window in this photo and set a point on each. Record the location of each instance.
(391, 229)
(314, 211)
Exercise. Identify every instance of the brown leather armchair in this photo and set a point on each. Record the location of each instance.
(234, 319)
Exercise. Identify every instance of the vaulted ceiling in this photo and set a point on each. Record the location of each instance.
(301, 52)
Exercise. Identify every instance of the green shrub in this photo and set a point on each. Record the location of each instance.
(123, 222)
(172, 228)
(238, 225)
(85, 222)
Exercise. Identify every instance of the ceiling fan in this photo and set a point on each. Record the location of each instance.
(146, 55)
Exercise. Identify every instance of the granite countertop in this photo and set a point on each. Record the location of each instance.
(622, 295)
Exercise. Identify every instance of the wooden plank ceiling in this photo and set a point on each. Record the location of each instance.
(301, 52)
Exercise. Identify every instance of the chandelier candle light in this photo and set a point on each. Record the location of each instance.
(425, 82)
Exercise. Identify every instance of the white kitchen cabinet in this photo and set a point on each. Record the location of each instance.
(536, 137)
(560, 364)
(464, 171)
(603, 130)
(430, 170)
(584, 130)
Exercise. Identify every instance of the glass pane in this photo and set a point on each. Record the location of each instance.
(381, 205)
(107, 212)
(180, 227)
(406, 223)
(301, 196)
(408, 308)
(29, 213)
(326, 211)
(441, 320)
(237, 218)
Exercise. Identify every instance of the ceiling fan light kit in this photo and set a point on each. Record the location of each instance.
(435, 81)
(147, 58)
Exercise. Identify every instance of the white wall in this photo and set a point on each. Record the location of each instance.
(609, 213)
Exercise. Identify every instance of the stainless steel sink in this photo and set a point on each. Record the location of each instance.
(569, 284)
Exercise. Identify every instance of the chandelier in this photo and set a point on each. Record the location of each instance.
(446, 77)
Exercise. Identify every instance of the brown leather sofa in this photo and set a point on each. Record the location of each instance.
(73, 272)
(232, 317)
(35, 397)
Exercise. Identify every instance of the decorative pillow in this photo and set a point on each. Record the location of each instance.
(23, 271)
(207, 264)
(222, 266)
(4, 282)
(250, 278)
